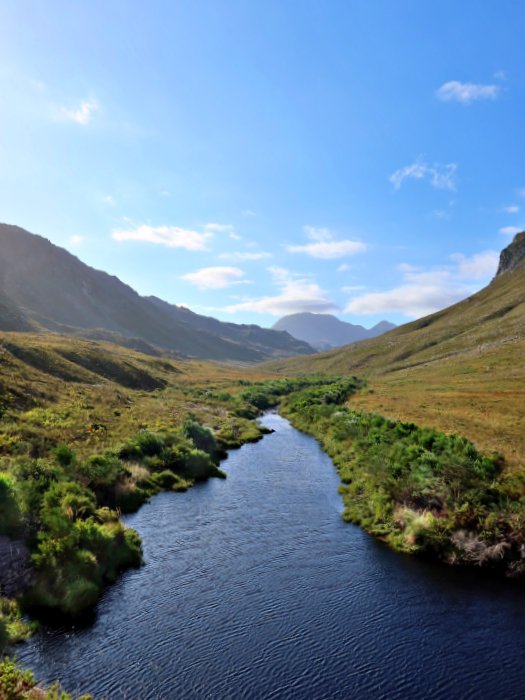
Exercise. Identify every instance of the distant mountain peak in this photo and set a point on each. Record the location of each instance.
(513, 255)
(325, 331)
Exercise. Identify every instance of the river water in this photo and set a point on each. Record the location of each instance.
(254, 587)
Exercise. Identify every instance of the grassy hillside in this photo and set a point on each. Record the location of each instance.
(460, 370)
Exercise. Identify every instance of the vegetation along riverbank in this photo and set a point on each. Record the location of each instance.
(78, 448)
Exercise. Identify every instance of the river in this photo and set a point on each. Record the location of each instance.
(254, 587)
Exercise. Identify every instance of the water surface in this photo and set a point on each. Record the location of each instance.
(254, 587)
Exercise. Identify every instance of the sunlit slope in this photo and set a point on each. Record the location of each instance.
(461, 369)
(91, 394)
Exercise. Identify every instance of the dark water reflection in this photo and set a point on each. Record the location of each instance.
(255, 588)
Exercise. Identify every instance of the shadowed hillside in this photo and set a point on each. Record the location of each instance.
(43, 287)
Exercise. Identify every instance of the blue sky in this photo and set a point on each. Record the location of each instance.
(250, 159)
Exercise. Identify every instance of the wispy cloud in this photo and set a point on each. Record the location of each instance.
(109, 200)
(245, 256)
(512, 209)
(344, 267)
(296, 295)
(223, 228)
(219, 228)
(455, 91)
(477, 266)
(248, 213)
(76, 240)
(81, 114)
(510, 230)
(353, 288)
(324, 246)
(214, 277)
(169, 236)
(441, 176)
(425, 291)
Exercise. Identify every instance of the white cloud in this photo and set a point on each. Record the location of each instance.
(353, 288)
(219, 228)
(409, 299)
(521, 192)
(466, 92)
(296, 295)
(439, 175)
(170, 236)
(244, 256)
(82, 114)
(223, 228)
(248, 213)
(76, 240)
(109, 200)
(343, 268)
(512, 209)
(510, 230)
(214, 277)
(328, 250)
(324, 246)
(477, 266)
(426, 291)
(317, 234)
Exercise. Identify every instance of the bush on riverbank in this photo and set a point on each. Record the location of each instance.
(18, 684)
(420, 490)
(69, 508)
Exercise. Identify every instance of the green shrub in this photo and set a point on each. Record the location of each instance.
(202, 437)
(4, 637)
(10, 520)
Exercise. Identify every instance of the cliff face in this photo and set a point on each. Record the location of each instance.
(513, 255)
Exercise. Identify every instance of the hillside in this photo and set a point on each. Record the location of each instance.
(45, 288)
(325, 331)
(460, 369)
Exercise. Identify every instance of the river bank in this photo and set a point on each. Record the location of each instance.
(421, 491)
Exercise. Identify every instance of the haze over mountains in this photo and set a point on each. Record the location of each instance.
(45, 288)
(324, 331)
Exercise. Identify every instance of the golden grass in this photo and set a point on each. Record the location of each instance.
(46, 399)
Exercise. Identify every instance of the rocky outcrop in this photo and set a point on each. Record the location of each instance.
(16, 571)
(513, 255)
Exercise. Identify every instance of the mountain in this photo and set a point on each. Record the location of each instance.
(461, 369)
(45, 288)
(324, 331)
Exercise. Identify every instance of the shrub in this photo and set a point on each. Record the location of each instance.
(202, 437)
(4, 637)
(10, 521)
